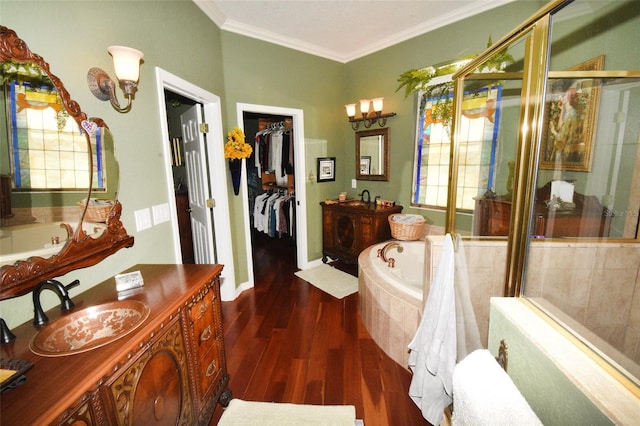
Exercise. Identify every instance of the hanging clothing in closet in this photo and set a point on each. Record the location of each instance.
(274, 152)
(274, 213)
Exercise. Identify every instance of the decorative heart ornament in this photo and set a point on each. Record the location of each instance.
(89, 126)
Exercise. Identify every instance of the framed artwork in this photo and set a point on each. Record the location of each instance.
(326, 169)
(570, 120)
(365, 164)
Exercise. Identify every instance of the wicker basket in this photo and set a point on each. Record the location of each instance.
(406, 231)
(97, 213)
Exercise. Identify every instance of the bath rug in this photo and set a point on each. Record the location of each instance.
(330, 280)
(249, 413)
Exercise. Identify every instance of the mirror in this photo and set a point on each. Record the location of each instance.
(80, 238)
(372, 154)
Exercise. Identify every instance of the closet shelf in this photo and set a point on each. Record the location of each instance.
(270, 185)
(269, 182)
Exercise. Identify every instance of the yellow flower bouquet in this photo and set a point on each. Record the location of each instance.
(236, 148)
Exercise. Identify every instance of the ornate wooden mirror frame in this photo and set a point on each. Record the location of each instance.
(81, 250)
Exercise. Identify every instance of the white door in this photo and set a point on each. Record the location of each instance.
(197, 180)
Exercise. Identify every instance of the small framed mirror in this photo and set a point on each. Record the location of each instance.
(372, 154)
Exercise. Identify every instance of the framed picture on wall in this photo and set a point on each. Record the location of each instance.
(365, 164)
(570, 120)
(326, 169)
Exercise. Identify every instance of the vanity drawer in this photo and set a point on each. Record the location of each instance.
(210, 368)
(202, 317)
(202, 321)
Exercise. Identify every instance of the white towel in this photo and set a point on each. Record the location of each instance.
(468, 336)
(433, 349)
(483, 394)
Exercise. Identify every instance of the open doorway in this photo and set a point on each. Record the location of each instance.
(271, 183)
(250, 115)
(177, 105)
(212, 163)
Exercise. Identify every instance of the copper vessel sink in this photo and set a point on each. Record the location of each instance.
(89, 328)
(355, 203)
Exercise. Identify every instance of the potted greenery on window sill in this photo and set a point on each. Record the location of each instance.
(435, 81)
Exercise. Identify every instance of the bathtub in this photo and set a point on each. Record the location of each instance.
(391, 299)
(407, 275)
(37, 239)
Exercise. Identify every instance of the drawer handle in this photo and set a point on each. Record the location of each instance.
(211, 369)
(206, 334)
(204, 306)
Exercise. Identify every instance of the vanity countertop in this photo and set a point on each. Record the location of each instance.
(53, 383)
(352, 203)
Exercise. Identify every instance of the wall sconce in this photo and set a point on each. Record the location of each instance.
(368, 117)
(126, 62)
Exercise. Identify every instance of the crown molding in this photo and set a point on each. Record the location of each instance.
(225, 24)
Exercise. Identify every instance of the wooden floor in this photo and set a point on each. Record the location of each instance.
(287, 341)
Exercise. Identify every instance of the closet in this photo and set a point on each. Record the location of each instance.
(270, 177)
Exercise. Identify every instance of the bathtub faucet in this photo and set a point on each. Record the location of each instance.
(391, 262)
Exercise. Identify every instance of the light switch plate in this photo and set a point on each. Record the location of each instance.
(160, 213)
(354, 183)
(143, 219)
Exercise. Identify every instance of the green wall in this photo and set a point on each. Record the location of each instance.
(73, 36)
(377, 74)
(262, 73)
(179, 38)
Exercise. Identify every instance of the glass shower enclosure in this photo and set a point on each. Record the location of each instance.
(563, 180)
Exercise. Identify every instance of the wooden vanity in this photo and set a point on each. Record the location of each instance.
(170, 370)
(351, 226)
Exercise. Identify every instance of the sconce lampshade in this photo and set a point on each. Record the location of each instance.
(351, 110)
(377, 104)
(126, 62)
(364, 106)
(368, 118)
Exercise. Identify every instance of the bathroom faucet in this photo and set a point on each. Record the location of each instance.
(391, 262)
(6, 336)
(62, 291)
(368, 196)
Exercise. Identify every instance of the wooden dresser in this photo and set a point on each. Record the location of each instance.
(587, 219)
(351, 226)
(170, 370)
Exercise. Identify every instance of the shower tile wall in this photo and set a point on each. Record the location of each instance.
(486, 270)
(597, 285)
(592, 286)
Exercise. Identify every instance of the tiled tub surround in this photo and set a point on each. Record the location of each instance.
(486, 262)
(593, 287)
(20, 242)
(390, 312)
(28, 215)
(36, 239)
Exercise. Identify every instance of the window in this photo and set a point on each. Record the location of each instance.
(477, 154)
(48, 150)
